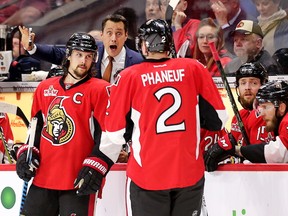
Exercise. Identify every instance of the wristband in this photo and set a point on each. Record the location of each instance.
(24, 148)
(96, 164)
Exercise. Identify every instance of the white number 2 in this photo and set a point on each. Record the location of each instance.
(161, 126)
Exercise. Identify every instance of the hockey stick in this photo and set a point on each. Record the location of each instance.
(31, 135)
(229, 92)
(168, 17)
(9, 156)
(14, 109)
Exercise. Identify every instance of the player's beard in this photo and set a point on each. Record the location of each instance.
(271, 124)
(78, 72)
(246, 104)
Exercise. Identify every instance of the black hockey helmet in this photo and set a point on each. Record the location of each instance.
(255, 69)
(81, 41)
(281, 57)
(156, 34)
(274, 92)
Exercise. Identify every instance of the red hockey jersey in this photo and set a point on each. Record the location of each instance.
(167, 100)
(254, 126)
(72, 121)
(209, 138)
(277, 151)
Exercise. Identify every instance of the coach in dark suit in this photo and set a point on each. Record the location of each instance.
(114, 34)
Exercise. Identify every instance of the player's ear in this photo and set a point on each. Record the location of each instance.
(282, 109)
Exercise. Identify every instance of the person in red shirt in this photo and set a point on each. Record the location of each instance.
(209, 31)
(166, 100)
(70, 111)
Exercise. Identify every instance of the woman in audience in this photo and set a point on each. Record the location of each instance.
(209, 31)
(274, 24)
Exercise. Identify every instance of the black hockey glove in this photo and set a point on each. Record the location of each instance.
(224, 148)
(25, 170)
(14, 150)
(91, 175)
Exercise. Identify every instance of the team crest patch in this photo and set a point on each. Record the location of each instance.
(235, 127)
(59, 128)
(50, 92)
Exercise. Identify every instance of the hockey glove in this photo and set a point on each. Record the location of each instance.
(14, 150)
(91, 175)
(25, 170)
(220, 151)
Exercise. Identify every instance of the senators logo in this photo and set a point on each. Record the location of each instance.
(240, 25)
(59, 128)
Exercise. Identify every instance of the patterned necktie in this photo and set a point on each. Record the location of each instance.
(108, 70)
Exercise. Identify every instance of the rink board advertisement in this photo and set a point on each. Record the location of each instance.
(235, 190)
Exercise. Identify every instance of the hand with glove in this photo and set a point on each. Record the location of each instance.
(24, 169)
(14, 150)
(224, 148)
(91, 175)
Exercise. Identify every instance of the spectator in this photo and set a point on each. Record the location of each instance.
(228, 14)
(70, 111)
(272, 106)
(22, 12)
(184, 30)
(198, 9)
(209, 31)
(132, 18)
(249, 7)
(96, 34)
(248, 47)
(281, 57)
(156, 9)
(249, 79)
(274, 24)
(141, 95)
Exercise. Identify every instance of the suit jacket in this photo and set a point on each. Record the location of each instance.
(55, 55)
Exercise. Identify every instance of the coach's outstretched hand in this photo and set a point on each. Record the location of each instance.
(91, 175)
(224, 148)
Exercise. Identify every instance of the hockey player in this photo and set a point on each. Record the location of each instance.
(167, 100)
(272, 102)
(249, 78)
(71, 112)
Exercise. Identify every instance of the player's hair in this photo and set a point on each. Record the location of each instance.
(116, 18)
